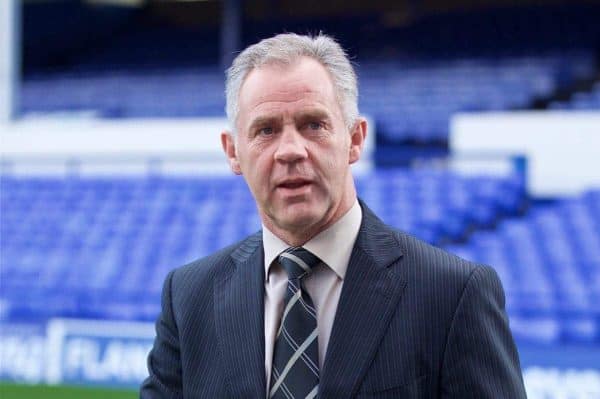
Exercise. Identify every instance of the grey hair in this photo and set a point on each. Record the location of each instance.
(285, 49)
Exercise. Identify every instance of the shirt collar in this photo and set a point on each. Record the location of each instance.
(333, 245)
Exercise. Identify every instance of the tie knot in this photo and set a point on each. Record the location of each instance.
(298, 262)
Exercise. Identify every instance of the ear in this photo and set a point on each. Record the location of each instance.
(228, 143)
(357, 139)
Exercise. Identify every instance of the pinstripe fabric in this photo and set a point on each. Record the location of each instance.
(412, 322)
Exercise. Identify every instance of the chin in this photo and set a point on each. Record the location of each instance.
(300, 219)
(298, 216)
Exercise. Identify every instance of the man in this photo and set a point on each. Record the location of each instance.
(326, 301)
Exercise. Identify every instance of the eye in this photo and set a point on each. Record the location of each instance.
(315, 125)
(265, 131)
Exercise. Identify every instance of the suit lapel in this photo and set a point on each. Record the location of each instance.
(239, 314)
(369, 296)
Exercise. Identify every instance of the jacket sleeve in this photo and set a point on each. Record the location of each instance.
(481, 359)
(164, 363)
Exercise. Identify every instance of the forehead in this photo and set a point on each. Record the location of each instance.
(275, 88)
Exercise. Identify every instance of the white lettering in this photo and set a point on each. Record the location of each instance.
(23, 358)
(79, 355)
(119, 360)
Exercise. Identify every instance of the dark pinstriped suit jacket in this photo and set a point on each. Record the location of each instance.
(412, 322)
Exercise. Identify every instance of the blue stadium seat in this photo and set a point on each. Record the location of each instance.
(549, 262)
(410, 100)
(101, 247)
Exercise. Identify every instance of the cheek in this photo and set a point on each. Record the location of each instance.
(258, 171)
(333, 167)
(339, 157)
(249, 158)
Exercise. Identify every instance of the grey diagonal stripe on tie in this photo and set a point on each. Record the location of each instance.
(292, 287)
(296, 260)
(287, 309)
(288, 394)
(292, 361)
(307, 360)
(313, 393)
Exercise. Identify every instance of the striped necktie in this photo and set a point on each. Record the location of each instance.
(295, 371)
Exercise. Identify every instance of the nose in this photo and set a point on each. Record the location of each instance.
(291, 147)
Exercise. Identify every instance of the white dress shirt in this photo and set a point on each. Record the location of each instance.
(324, 285)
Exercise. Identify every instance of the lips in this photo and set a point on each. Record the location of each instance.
(293, 183)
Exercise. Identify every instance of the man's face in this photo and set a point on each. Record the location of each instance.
(293, 147)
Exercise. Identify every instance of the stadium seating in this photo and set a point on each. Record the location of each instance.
(413, 101)
(582, 101)
(101, 247)
(549, 263)
(409, 100)
(412, 77)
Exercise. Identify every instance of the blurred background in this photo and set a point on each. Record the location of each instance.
(484, 139)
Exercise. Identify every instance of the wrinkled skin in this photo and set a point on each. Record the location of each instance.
(294, 149)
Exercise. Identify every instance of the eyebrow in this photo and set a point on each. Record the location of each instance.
(301, 117)
(312, 114)
(263, 120)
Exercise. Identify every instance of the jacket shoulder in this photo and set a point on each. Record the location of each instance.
(435, 267)
(209, 267)
(418, 258)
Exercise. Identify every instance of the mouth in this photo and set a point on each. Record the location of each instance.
(294, 184)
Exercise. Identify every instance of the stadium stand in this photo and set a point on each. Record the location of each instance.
(412, 80)
(583, 101)
(100, 247)
(413, 101)
(409, 100)
(549, 263)
(64, 238)
(97, 248)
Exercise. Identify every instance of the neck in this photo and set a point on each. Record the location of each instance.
(297, 238)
